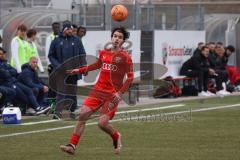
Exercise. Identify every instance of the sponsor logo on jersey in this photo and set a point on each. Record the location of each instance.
(117, 59)
(109, 67)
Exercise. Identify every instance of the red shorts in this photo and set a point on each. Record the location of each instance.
(101, 101)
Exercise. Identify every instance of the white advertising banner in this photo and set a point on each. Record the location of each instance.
(96, 40)
(173, 48)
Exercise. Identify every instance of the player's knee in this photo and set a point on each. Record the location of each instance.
(85, 114)
(102, 124)
(82, 118)
(81, 122)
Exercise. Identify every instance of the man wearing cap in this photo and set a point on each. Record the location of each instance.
(63, 48)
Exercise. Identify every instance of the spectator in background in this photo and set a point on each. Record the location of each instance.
(81, 31)
(212, 55)
(229, 50)
(219, 44)
(74, 29)
(8, 76)
(51, 37)
(211, 46)
(198, 49)
(32, 48)
(29, 77)
(18, 48)
(62, 48)
(198, 66)
(221, 76)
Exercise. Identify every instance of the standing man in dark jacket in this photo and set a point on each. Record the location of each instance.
(29, 77)
(63, 48)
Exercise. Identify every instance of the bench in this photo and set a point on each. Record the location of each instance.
(185, 81)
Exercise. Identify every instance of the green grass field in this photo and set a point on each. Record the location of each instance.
(203, 135)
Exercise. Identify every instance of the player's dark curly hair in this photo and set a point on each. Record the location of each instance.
(231, 48)
(122, 30)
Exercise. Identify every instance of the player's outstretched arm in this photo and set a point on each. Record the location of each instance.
(85, 69)
(130, 76)
(127, 83)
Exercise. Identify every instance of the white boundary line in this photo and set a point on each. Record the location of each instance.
(151, 109)
(125, 112)
(117, 120)
(39, 122)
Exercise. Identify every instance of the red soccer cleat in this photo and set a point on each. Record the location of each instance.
(69, 148)
(117, 144)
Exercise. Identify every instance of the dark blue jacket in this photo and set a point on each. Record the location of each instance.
(8, 74)
(63, 48)
(29, 77)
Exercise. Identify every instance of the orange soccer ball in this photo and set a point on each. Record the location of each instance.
(119, 12)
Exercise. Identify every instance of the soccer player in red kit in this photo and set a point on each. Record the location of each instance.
(114, 65)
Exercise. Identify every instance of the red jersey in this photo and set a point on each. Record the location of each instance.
(114, 67)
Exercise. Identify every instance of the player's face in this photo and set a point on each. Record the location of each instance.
(34, 63)
(68, 32)
(220, 52)
(228, 52)
(205, 52)
(81, 32)
(2, 55)
(212, 47)
(200, 46)
(74, 31)
(21, 34)
(34, 37)
(56, 28)
(117, 39)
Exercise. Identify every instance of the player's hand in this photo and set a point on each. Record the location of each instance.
(86, 73)
(117, 97)
(72, 71)
(211, 71)
(45, 89)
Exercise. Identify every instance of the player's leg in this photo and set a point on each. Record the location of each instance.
(85, 113)
(105, 126)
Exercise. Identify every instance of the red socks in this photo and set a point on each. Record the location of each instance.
(74, 139)
(115, 136)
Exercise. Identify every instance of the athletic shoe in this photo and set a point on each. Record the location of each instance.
(31, 111)
(57, 116)
(223, 93)
(42, 110)
(210, 93)
(117, 144)
(69, 148)
(203, 94)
